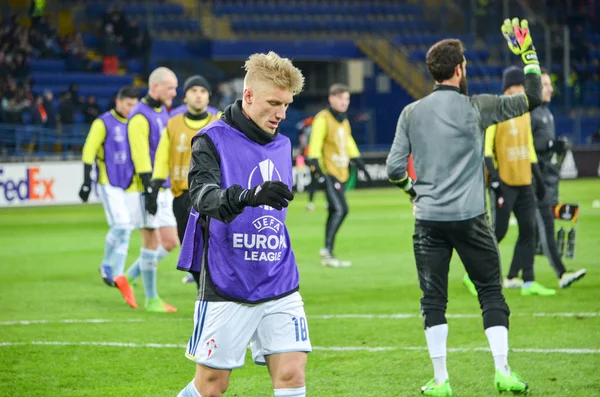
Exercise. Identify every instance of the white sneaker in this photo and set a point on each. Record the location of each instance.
(512, 283)
(188, 279)
(327, 259)
(569, 278)
(310, 207)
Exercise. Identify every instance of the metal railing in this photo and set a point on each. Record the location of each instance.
(25, 142)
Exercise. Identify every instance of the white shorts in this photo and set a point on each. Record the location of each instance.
(116, 205)
(222, 331)
(164, 216)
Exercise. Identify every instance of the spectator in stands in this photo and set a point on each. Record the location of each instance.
(146, 50)
(77, 60)
(50, 109)
(133, 40)
(36, 11)
(66, 110)
(4, 71)
(21, 69)
(119, 23)
(37, 42)
(91, 110)
(225, 93)
(110, 50)
(77, 99)
(24, 94)
(13, 108)
(39, 116)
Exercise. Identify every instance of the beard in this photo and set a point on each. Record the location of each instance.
(463, 86)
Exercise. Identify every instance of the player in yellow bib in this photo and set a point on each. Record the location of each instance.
(331, 149)
(513, 169)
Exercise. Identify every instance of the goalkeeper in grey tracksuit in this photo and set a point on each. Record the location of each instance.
(444, 132)
(549, 150)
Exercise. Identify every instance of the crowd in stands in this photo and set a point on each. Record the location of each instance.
(117, 33)
(18, 44)
(119, 37)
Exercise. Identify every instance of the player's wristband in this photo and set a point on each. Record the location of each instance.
(531, 68)
(406, 184)
(87, 174)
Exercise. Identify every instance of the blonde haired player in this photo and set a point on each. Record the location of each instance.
(240, 184)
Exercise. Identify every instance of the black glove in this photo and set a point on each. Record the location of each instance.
(540, 192)
(151, 189)
(275, 194)
(360, 164)
(494, 180)
(496, 185)
(540, 188)
(558, 146)
(407, 186)
(84, 192)
(86, 187)
(315, 168)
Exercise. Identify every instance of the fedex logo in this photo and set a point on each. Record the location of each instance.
(31, 187)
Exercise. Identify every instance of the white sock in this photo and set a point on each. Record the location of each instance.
(161, 253)
(189, 391)
(295, 392)
(498, 340)
(436, 337)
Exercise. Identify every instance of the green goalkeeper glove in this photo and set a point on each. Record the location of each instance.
(519, 40)
(407, 186)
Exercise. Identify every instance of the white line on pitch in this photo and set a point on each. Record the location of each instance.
(398, 316)
(470, 315)
(330, 348)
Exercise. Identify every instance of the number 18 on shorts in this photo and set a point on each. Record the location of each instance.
(223, 330)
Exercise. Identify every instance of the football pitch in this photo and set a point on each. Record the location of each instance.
(63, 332)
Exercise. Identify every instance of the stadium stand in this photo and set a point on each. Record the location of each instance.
(199, 36)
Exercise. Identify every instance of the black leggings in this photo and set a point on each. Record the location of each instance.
(521, 201)
(338, 209)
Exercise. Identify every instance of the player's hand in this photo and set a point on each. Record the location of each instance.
(84, 192)
(412, 196)
(368, 178)
(315, 168)
(559, 146)
(407, 187)
(151, 196)
(360, 165)
(518, 38)
(150, 201)
(540, 191)
(496, 186)
(275, 194)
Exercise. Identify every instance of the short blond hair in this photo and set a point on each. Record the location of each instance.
(271, 68)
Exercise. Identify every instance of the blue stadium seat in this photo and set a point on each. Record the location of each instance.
(418, 55)
(97, 91)
(78, 118)
(91, 41)
(47, 78)
(47, 65)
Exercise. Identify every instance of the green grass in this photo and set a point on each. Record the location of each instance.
(48, 271)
